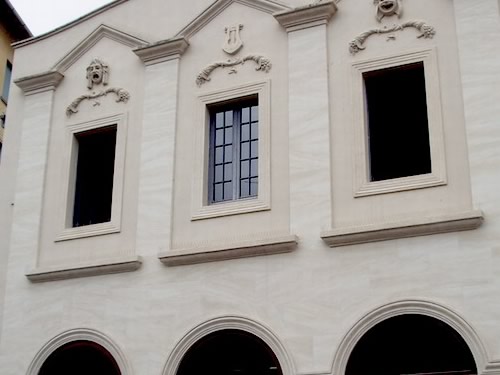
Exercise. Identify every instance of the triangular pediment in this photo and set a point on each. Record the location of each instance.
(103, 31)
(267, 6)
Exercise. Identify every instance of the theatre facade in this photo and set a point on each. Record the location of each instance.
(254, 187)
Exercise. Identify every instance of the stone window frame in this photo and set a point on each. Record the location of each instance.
(66, 231)
(437, 177)
(201, 208)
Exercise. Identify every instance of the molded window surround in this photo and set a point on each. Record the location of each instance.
(67, 231)
(201, 207)
(363, 185)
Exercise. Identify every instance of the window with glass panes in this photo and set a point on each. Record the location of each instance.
(234, 150)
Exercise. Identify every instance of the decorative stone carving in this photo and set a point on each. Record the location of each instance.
(121, 94)
(97, 73)
(263, 64)
(233, 42)
(386, 8)
(427, 31)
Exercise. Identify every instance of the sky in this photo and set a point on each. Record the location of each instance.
(45, 15)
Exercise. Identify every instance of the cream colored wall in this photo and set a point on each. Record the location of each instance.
(309, 298)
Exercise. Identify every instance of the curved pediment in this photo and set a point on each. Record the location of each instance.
(267, 6)
(103, 31)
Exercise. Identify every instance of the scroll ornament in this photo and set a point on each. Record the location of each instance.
(263, 64)
(121, 96)
(427, 32)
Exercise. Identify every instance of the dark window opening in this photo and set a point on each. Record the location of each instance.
(94, 176)
(411, 344)
(234, 150)
(230, 352)
(398, 130)
(6, 81)
(80, 358)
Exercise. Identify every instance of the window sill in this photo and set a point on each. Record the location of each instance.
(403, 229)
(251, 248)
(87, 231)
(124, 264)
(236, 207)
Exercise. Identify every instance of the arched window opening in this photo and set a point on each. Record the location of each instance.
(411, 344)
(80, 358)
(230, 352)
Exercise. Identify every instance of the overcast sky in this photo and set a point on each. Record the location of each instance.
(45, 15)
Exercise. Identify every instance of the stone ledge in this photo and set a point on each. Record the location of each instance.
(39, 82)
(306, 16)
(403, 229)
(162, 51)
(124, 264)
(258, 247)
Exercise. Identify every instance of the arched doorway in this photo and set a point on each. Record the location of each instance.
(80, 358)
(411, 344)
(229, 352)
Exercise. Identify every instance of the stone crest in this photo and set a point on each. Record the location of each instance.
(232, 42)
(386, 8)
(97, 73)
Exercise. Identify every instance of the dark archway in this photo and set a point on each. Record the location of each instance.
(229, 352)
(411, 344)
(80, 358)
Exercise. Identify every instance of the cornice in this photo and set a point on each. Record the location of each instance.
(102, 31)
(306, 16)
(39, 82)
(162, 51)
(267, 6)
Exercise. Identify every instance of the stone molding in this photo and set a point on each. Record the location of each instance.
(403, 229)
(102, 31)
(122, 95)
(229, 322)
(39, 82)
(410, 306)
(118, 265)
(267, 6)
(211, 253)
(85, 334)
(162, 51)
(306, 16)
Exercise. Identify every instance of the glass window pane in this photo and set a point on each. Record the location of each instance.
(254, 186)
(228, 154)
(218, 173)
(245, 150)
(219, 137)
(228, 190)
(245, 132)
(245, 115)
(244, 188)
(219, 155)
(228, 172)
(219, 120)
(228, 136)
(217, 192)
(244, 169)
(254, 167)
(255, 113)
(255, 149)
(229, 118)
(255, 130)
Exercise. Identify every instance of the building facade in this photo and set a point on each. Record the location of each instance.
(255, 186)
(12, 29)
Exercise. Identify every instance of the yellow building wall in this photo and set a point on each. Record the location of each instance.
(6, 53)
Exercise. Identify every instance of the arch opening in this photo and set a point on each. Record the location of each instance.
(411, 344)
(230, 352)
(80, 357)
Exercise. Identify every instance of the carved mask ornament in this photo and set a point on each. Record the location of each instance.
(97, 73)
(386, 8)
(232, 42)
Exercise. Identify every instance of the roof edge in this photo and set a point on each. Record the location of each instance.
(19, 20)
(66, 26)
